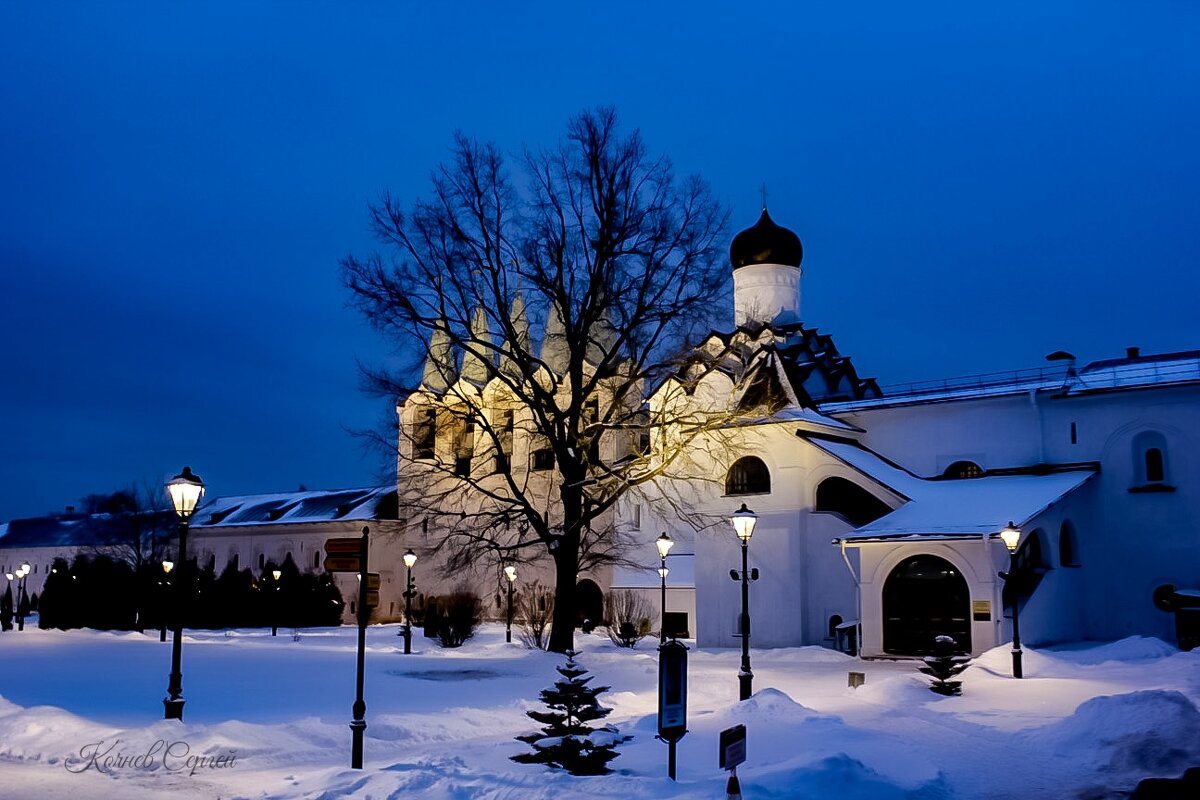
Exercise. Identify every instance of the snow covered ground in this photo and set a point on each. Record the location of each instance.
(271, 717)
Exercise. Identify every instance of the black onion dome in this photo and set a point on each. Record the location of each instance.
(765, 243)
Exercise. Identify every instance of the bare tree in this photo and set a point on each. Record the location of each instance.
(139, 525)
(567, 291)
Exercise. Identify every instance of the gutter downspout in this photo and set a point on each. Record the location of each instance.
(857, 592)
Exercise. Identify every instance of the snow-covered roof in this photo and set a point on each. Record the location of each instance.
(1123, 373)
(292, 507)
(804, 415)
(950, 509)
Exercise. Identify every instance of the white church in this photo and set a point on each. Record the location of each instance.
(879, 515)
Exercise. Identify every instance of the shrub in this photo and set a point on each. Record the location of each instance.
(627, 617)
(534, 611)
(460, 614)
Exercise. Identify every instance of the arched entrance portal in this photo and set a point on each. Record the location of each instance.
(589, 603)
(923, 597)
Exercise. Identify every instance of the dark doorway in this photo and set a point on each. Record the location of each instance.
(924, 597)
(589, 603)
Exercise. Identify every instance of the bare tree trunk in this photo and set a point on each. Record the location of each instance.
(566, 571)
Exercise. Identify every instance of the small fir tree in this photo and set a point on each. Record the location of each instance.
(566, 740)
(944, 665)
(6, 609)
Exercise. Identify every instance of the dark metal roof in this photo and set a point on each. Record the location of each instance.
(764, 242)
(79, 530)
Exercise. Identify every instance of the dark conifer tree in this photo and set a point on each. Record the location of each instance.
(566, 740)
(944, 665)
(6, 610)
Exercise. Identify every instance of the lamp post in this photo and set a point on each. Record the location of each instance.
(276, 575)
(510, 572)
(410, 558)
(22, 597)
(664, 544)
(166, 581)
(1011, 536)
(743, 525)
(185, 491)
(17, 595)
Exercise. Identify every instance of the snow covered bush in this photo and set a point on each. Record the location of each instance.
(566, 740)
(943, 665)
(627, 617)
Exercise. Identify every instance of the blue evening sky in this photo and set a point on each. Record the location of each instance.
(976, 185)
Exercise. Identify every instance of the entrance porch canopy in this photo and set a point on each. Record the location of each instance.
(966, 508)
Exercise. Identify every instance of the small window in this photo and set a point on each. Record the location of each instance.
(834, 621)
(425, 434)
(317, 559)
(1151, 466)
(500, 463)
(1074, 433)
(963, 469)
(748, 475)
(1154, 467)
(1068, 545)
(462, 466)
(543, 459)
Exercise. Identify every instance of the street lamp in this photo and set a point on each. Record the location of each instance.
(743, 525)
(410, 558)
(12, 577)
(276, 574)
(185, 491)
(510, 572)
(1011, 536)
(167, 567)
(664, 544)
(22, 597)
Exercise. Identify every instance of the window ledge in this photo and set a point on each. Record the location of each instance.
(747, 494)
(1151, 488)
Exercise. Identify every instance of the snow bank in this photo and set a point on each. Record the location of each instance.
(1152, 732)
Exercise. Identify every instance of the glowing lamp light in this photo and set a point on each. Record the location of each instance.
(168, 566)
(510, 572)
(743, 523)
(276, 574)
(663, 572)
(664, 544)
(185, 491)
(410, 558)
(25, 567)
(1011, 536)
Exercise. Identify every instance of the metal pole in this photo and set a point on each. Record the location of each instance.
(671, 759)
(359, 710)
(745, 676)
(408, 593)
(173, 703)
(662, 624)
(508, 625)
(20, 594)
(162, 631)
(1016, 651)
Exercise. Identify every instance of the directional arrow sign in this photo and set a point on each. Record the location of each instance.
(343, 564)
(344, 546)
(373, 598)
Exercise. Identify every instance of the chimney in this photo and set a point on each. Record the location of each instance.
(1133, 352)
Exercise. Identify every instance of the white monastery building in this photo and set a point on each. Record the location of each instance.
(879, 514)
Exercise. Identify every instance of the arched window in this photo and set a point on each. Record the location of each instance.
(424, 433)
(1150, 466)
(855, 504)
(748, 475)
(963, 469)
(1068, 545)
